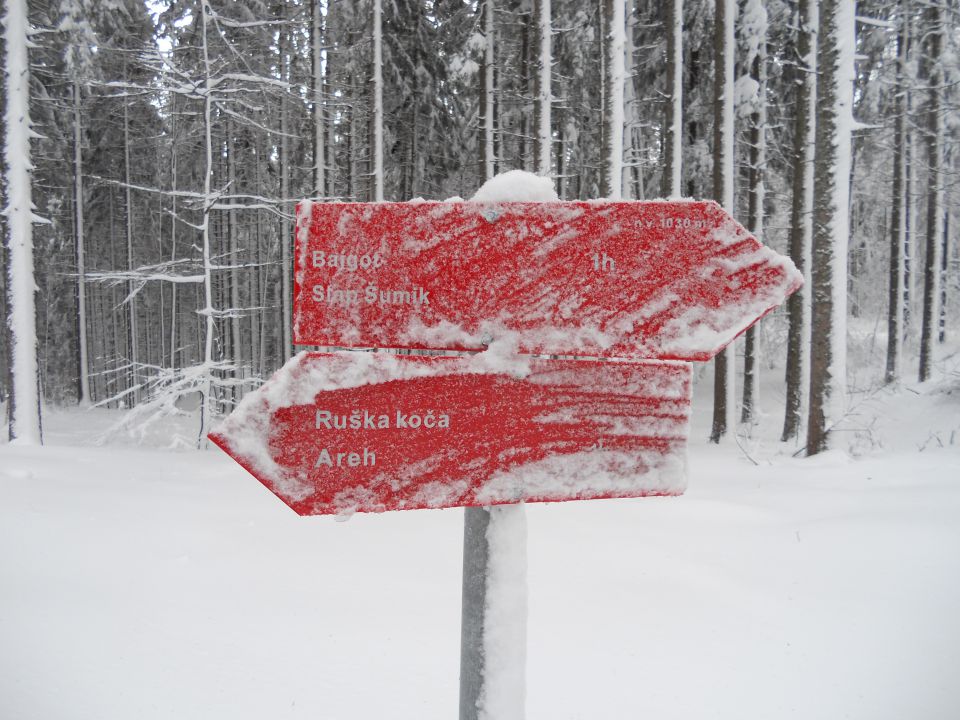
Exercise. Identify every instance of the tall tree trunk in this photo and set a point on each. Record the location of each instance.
(898, 206)
(801, 221)
(755, 201)
(319, 125)
(909, 211)
(633, 171)
(673, 151)
(132, 330)
(944, 265)
(614, 38)
(724, 387)
(21, 284)
(206, 408)
(934, 143)
(174, 320)
(286, 231)
(353, 141)
(542, 108)
(487, 149)
(82, 349)
(835, 64)
(377, 101)
(523, 135)
(233, 230)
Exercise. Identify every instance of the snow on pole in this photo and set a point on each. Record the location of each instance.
(25, 411)
(377, 101)
(503, 694)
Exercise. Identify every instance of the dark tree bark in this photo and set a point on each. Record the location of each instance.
(723, 383)
(831, 220)
(672, 156)
(934, 139)
(756, 196)
(897, 215)
(801, 220)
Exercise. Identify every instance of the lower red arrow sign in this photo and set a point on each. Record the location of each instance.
(346, 432)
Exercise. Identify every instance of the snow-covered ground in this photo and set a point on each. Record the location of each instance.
(137, 582)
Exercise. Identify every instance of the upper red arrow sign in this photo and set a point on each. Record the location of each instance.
(666, 280)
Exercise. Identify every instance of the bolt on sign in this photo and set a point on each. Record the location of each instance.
(651, 285)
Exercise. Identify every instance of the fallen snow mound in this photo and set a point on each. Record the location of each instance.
(516, 186)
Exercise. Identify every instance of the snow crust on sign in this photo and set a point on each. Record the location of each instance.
(590, 474)
(505, 616)
(611, 429)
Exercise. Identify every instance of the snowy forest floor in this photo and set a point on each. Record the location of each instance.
(143, 583)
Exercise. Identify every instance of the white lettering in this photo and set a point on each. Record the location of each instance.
(348, 458)
(347, 262)
(366, 420)
(417, 296)
(335, 296)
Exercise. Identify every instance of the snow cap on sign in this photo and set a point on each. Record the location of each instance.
(516, 186)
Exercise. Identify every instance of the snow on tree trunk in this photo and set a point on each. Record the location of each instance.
(673, 153)
(753, 22)
(614, 37)
(933, 42)
(233, 230)
(542, 150)
(377, 101)
(835, 63)
(633, 171)
(82, 350)
(487, 149)
(944, 262)
(319, 127)
(724, 386)
(206, 408)
(173, 253)
(133, 334)
(286, 227)
(898, 208)
(21, 285)
(801, 221)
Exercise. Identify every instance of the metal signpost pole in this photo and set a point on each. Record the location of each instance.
(476, 553)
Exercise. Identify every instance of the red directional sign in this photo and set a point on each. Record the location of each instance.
(661, 280)
(352, 431)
